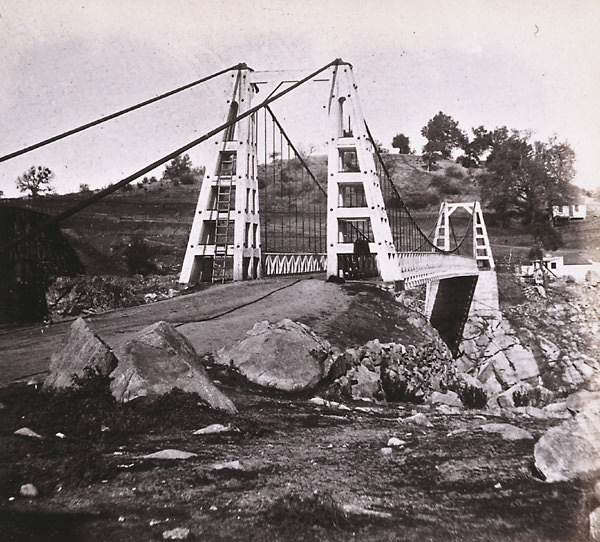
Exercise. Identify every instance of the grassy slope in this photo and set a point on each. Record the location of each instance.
(161, 214)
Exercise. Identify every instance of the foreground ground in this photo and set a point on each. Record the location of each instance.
(291, 471)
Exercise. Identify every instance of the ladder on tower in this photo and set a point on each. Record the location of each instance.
(222, 228)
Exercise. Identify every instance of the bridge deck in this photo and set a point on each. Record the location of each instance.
(413, 268)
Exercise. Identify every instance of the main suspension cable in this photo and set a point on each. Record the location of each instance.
(114, 187)
(117, 114)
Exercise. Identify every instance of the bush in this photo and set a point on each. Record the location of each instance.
(535, 397)
(549, 237)
(422, 199)
(137, 256)
(446, 186)
(472, 396)
(411, 375)
(454, 172)
(92, 384)
(312, 509)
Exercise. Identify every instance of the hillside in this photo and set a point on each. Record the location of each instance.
(160, 214)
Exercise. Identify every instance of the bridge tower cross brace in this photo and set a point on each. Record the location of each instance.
(352, 169)
(482, 251)
(224, 241)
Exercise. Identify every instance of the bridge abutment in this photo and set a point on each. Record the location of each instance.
(448, 303)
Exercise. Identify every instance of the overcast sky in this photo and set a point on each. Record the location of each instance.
(528, 65)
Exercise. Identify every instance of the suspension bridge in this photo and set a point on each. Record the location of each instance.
(263, 211)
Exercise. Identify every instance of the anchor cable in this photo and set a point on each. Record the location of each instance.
(115, 115)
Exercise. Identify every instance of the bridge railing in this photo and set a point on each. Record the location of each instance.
(416, 268)
(288, 263)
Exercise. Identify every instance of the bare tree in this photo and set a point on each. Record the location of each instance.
(36, 180)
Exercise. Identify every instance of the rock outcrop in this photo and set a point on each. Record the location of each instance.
(81, 348)
(286, 356)
(158, 360)
(571, 450)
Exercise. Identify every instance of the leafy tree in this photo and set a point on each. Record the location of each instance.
(84, 187)
(180, 170)
(36, 180)
(443, 135)
(525, 179)
(402, 143)
(476, 147)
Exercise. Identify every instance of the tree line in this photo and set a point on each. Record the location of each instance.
(519, 176)
(37, 180)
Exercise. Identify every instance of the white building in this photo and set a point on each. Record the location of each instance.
(569, 212)
(556, 266)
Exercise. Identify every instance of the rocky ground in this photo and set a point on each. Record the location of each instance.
(289, 469)
(382, 447)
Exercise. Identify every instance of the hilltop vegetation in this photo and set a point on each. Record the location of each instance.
(160, 212)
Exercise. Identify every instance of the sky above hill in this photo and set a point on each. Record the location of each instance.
(526, 65)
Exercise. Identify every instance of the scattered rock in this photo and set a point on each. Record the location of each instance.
(366, 410)
(215, 428)
(356, 510)
(582, 400)
(417, 419)
(364, 382)
(170, 454)
(448, 410)
(532, 412)
(449, 398)
(26, 432)
(158, 360)
(557, 410)
(81, 348)
(179, 533)
(28, 490)
(595, 525)
(386, 451)
(393, 442)
(507, 431)
(286, 356)
(507, 398)
(570, 450)
(228, 465)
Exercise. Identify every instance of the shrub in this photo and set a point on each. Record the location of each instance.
(412, 374)
(446, 186)
(422, 199)
(472, 396)
(536, 397)
(92, 384)
(548, 236)
(312, 509)
(454, 172)
(137, 257)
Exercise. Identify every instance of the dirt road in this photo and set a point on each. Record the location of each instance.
(219, 315)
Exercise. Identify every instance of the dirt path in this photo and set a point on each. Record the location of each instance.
(219, 315)
(27, 350)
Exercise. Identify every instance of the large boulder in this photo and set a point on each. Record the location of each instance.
(571, 450)
(286, 356)
(158, 360)
(81, 348)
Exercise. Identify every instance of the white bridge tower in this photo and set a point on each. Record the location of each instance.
(224, 241)
(355, 206)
